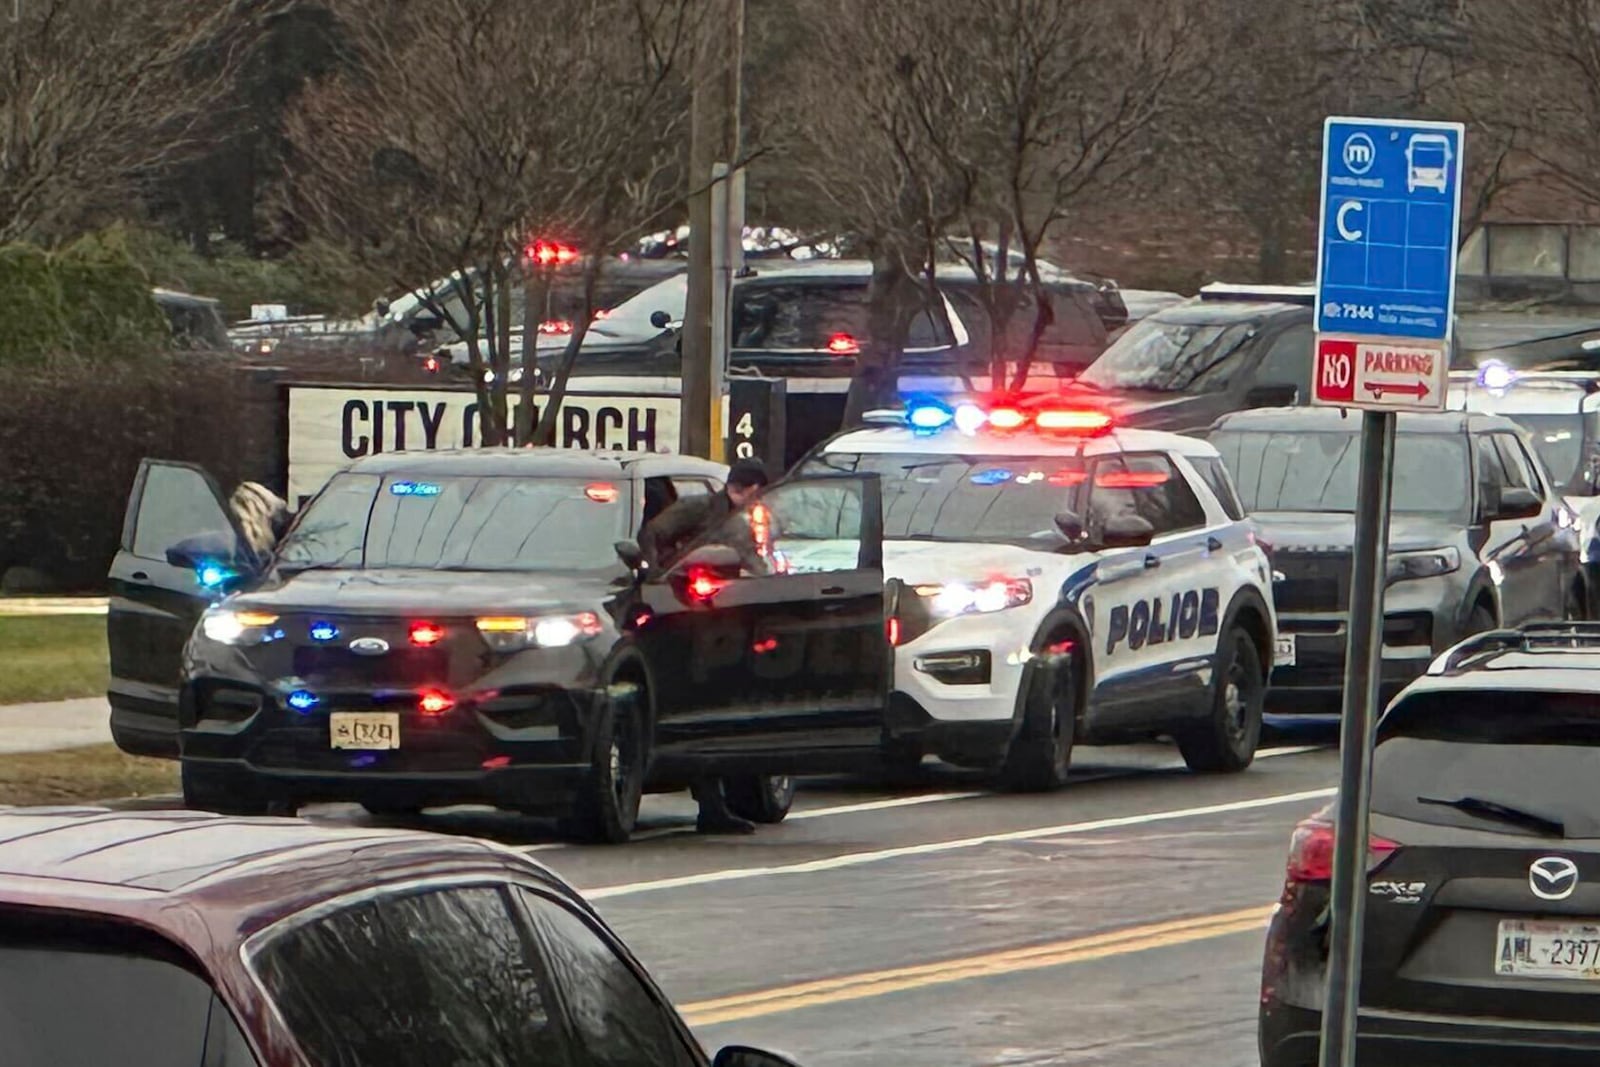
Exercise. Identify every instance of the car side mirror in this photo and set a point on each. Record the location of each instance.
(1518, 503)
(1126, 531)
(660, 320)
(217, 559)
(631, 555)
(741, 1056)
(1277, 395)
(1070, 523)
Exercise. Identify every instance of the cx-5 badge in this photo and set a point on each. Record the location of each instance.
(1553, 878)
(369, 646)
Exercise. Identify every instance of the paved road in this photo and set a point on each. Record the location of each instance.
(1119, 921)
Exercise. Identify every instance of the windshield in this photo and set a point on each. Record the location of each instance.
(1170, 357)
(934, 497)
(459, 523)
(1284, 471)
(1535, 753)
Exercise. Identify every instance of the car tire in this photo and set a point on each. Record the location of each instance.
(1038, 757)
(608, 804)
(902, 760)
(208, 792)
(1226, 742)
(761, 798)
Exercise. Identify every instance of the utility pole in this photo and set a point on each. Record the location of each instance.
(713, 139)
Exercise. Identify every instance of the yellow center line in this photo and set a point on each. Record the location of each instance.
(992, 964)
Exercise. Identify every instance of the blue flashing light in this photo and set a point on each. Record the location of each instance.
(993, 476)
(929, 415)
(302, 700)
(1495, 375)
(212, 575)
(324, 631)
(413, 489)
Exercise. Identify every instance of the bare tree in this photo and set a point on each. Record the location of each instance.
(98, 95)
(475, 129)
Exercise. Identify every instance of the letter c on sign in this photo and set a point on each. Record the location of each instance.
(1345, 209)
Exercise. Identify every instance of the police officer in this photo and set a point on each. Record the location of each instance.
(665, 537)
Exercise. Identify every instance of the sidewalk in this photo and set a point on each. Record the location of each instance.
(35, 605)
(60, 724)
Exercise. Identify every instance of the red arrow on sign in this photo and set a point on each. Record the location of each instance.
(1419, 390)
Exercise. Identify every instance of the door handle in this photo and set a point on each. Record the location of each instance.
(140, 576)
(833, 590)
(1214, 544)
(1152, 561)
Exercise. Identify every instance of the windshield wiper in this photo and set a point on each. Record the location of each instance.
(1492, 809)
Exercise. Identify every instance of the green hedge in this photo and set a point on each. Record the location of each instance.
(89, 299)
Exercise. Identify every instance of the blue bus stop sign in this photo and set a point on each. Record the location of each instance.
(1391, 217)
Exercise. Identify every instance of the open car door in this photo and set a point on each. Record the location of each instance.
(766, 642)
(176, 521)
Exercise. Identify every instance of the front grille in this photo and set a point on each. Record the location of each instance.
(341, 667)
(1312, 581)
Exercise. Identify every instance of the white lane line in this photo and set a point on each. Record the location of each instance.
(925, 798)
(856, 859)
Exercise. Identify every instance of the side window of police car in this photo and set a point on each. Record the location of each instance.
(176, 505)
(617, 1019)
(1146, 487)
(1491, 477)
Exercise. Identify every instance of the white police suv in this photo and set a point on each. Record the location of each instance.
(1054, 579)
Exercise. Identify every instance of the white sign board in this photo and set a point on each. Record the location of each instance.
(332, 426)
(1381, 375)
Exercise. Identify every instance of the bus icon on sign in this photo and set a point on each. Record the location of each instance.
(1428, 162)
(1359, 153)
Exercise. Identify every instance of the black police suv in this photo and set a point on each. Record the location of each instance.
(479, 627)
(1481, 943)
(1479, 538)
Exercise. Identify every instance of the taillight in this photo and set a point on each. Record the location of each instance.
(842, 344)
(703, 585)
(1311, 851)
(892, 631)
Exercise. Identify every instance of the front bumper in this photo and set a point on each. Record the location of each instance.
(936, 668)
(1291, 1037)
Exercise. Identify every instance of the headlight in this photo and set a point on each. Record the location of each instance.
(237, 627)
(1428, 563)
(512, 633)
(976, 598)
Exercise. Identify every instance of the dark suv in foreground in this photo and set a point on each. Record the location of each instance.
(1478, 538)
(1482, 942)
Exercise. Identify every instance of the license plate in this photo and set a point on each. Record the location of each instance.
(1548, 950)
(1283, 651)
(364, 730)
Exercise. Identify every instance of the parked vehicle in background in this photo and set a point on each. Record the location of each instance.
(1483, 871)
(1479, 538)
(184, 938)
(196, 321)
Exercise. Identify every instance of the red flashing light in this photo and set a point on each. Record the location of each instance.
(892, 630)
(1131, 479)
(1073, 421)
(1311, 851)
(1069, 478)
(703, 585)
(426, 633)
(603, 313)
(551, 253)
(601, 492)
(555, 327)
(842, 344)
(765, 645)
(761, 529)
(433, 702)
(1007, 419)
(495, 763)
(431, 364)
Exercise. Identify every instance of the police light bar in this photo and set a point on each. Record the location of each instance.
(932, 416)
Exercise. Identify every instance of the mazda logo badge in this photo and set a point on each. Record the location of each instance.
(369, 646)
(1553, 878)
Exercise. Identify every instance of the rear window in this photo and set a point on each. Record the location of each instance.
(1538, 753)
(95, 994)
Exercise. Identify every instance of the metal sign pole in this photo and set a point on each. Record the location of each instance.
(1361, 676)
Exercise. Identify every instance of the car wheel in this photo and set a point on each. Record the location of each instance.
(763, 798)
(608, 806)
(1039, 755)
(1226, 743)
(208, 792)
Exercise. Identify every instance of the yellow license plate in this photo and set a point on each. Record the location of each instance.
(364, 730)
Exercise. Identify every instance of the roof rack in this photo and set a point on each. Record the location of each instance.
(1536, 635)
(1274, 294)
